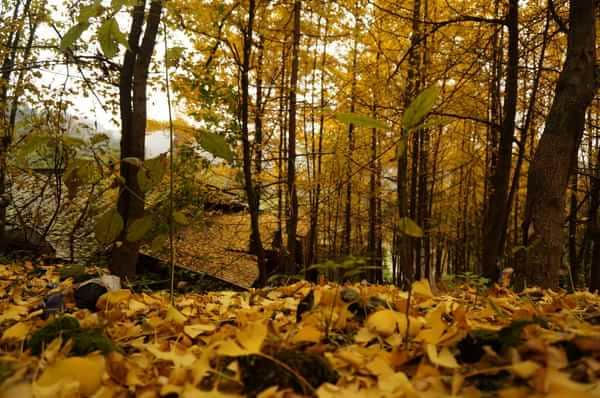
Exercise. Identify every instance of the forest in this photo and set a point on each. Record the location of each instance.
(281, 198)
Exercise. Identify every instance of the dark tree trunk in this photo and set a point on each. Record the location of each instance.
(347, 236)
(317, 161)
(5, 126)
(132, 97)
(292, 221)
(496, 217)
(557, 150)
(252, 195)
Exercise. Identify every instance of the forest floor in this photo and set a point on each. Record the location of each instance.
(323, 340)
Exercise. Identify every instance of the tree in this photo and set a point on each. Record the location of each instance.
(292, 220)
(133, 81)
(252, 195)
(557, 150)
(498, 207)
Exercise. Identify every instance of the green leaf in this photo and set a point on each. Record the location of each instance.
(72, 35)
(420, 107)
(360, 120)
(90, 11)
(98, 138)
(152, 172)
(158, 242)
(116, 5)
(216, 145)
(180, 218)
(119, 36)
(410, 228)
(105, 35)
(137, 162)
(139, 228)
(108, 227)
(174, 55)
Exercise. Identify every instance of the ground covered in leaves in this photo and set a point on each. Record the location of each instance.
(299, 340)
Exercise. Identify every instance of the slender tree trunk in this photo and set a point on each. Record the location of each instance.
(291, 172)
(346, 242)
(6, 135)
(317, 160)
(282, 138)
(404, 242)
(554, 158)
(498, 209)
(252, 194)
(132, 96)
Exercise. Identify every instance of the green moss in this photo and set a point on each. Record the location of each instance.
(85, 341)
(64, 326)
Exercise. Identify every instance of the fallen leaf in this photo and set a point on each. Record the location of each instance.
(525, 369)
(16, 332)
(307, 334)
(444, 358)
(84, 373)
(197, 329)
(384, 322)
(422, 288)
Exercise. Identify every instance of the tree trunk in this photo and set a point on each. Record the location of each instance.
(292, 221)
(346, 242)
(317, 160)
(132, 96)
(496, 217)
(553, 161)
(5, 126)
(252, 194)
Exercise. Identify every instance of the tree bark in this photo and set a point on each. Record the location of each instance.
(498, 209)
(292, 221)
(557, 150)
(132, 96)
(252, 194)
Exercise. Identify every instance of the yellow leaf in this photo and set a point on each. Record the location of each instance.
(422, 288)
(13, 312)
(379, 366)
(179, 359)
(113, 298)
(230, 348)
(252, 337)
(436, 326)
(384, 322)
(250, 340)
(84, 372)
(364, 335)
(136, 306)
(396, 382)
(194, 331)
(173, 315)
(525, 369)
(444, 359)
(307, 334)
(16, 332)
(352, 357)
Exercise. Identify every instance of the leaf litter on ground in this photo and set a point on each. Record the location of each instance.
(297, 340)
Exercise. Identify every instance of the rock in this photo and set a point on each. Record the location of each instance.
(88, 294)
